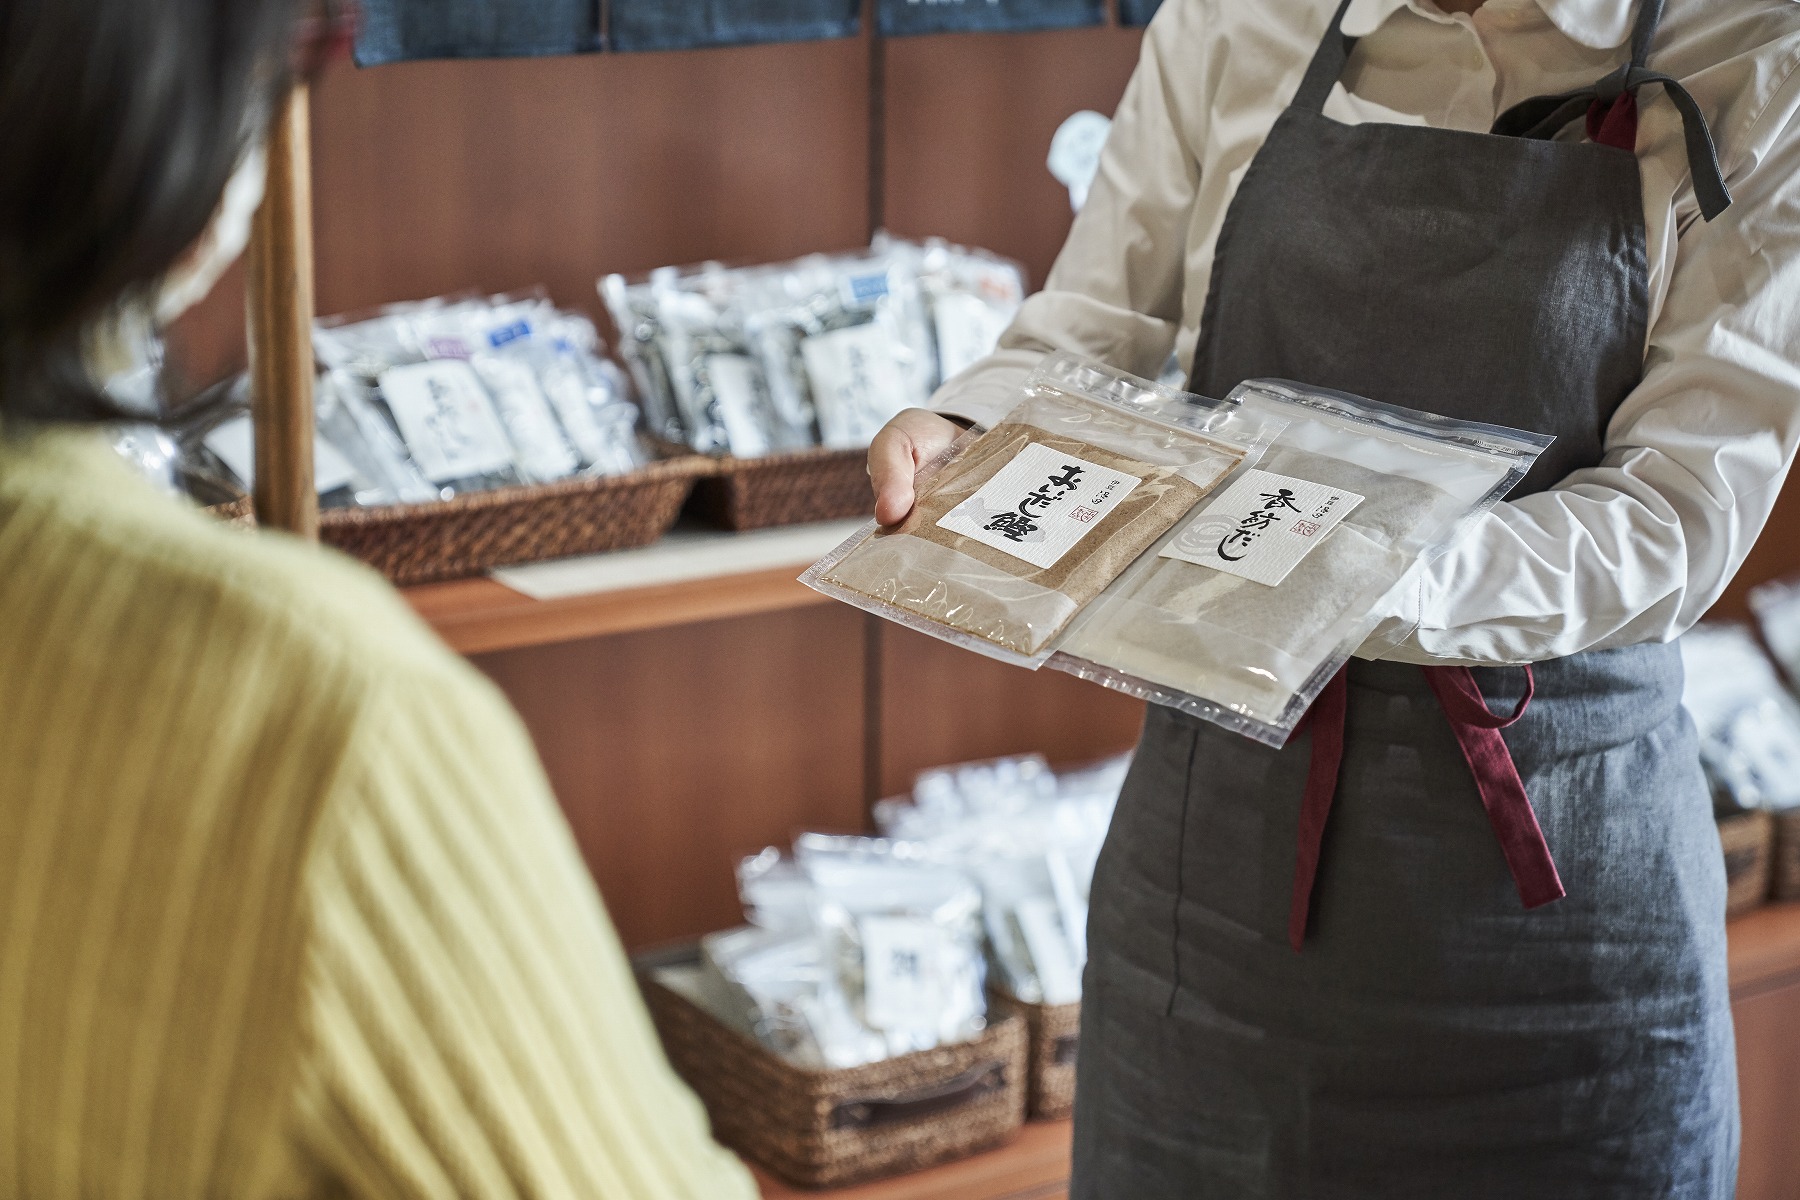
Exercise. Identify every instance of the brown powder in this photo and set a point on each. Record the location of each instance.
(968, 585)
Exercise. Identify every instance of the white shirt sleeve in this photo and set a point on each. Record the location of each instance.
(1639, 547)
(1115, 292)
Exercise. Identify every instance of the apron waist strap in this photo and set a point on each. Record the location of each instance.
(1497, 782)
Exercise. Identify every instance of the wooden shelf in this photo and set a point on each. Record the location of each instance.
(1033, 1166)
(479, 615)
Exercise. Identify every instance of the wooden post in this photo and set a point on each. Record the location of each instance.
(279, 296)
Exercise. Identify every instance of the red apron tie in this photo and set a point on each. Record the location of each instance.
(1497, 782)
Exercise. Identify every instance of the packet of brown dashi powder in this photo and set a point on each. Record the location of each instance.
(1029, 521)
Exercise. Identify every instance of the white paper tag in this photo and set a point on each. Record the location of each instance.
(968, 329)
(541, 448)
(857, 384)
(235, 443)
(733, 379)
(902, 978)
(1262, 526)
(1040, 504)
(447, 419)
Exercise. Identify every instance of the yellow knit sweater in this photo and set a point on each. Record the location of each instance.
(286, 908)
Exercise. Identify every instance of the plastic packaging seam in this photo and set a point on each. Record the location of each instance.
(1474, 435)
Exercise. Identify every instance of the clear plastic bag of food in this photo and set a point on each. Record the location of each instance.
(1777, 608)
(780, 986)
(1749, 724)
(971, 296)
(1245, 610)
(905, 936)
(1019, 527)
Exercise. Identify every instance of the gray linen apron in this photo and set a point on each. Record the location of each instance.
(1433, 1038)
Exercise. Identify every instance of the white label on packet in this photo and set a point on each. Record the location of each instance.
(234, 442)
(902, 984)
(968, 329)
(857, 384)
(1262, 526)
(733, 379)
(1040, 922)
(447, 419)
(1040, 504)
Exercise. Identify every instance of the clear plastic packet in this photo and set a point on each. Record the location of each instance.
(1777, 608)
(970, 295)
(1029, 839)
(905, 938)
(1749, 724)
(780, 987)
(844, 343)
(634, 312)
(1248, 607)
(1019, 527)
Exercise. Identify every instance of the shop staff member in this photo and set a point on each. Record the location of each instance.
(286, 907)
(1580, 217)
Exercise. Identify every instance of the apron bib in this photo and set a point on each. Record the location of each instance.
(1434, 1038)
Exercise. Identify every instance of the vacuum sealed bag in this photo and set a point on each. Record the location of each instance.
(1248, 608)
(1019, 527)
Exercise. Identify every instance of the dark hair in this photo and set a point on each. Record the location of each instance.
(121, 121)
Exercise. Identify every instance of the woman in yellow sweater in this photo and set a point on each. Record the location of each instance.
(286, 908)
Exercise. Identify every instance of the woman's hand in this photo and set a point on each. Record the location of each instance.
(905, 444)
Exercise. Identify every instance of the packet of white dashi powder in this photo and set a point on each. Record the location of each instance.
(1248, 607)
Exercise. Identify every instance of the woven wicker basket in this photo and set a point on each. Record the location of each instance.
(835, 1127)
(785, 489)
(1787, 854)
(419, 543)
(1055, 1034)
(1748, 840)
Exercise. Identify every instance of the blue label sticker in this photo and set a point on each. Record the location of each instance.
(509, 333)
(866, 289)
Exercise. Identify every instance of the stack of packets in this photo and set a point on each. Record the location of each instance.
(860, 949)
(1748, 723)
(428, 400)
(1220, 557)
(821, 351)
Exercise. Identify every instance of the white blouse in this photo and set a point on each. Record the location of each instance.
(1633, 550)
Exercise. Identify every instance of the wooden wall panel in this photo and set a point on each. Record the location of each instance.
(942, 704)
(968, 121)
(498, 174)
(676, 752)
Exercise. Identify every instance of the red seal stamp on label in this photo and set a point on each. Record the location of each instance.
(1305, 528)
(1082, 513)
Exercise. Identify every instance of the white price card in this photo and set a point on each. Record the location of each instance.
(1040, 504)
(857, 384)
(903, 981)
(1262, 526)
(447, 419)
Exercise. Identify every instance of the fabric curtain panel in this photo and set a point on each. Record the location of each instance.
(1137, 13)
(397, 30)
(687, 24)
(901, 17)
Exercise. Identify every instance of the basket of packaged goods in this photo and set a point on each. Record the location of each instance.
(1748, 840)
(1749, 730)
(1777, 608)
(460, 434)
(1028, 837)
(784, 372)
(821, 1126)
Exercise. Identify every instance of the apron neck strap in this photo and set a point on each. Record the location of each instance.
(1327, 65)
(1649, 19)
